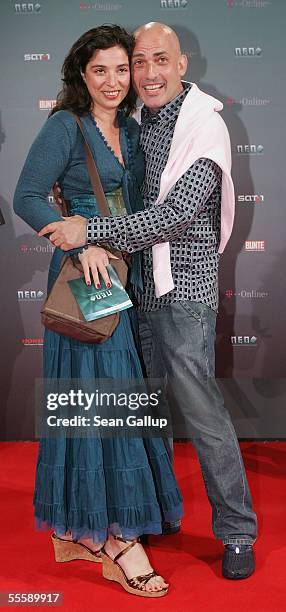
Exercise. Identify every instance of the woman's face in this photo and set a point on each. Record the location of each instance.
(107, 77)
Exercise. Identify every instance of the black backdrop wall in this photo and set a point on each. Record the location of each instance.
(235, 50)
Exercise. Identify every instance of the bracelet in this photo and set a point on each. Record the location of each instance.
(84, 248)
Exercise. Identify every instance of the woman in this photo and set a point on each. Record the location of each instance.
(97, 492)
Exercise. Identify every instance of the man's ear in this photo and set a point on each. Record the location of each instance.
(183, 64)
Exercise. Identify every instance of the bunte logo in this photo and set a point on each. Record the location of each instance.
(46, 104)
(255, 245)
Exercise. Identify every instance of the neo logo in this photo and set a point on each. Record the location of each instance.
(30, 295)
(27, 7)
(243, 340)
(173, 4)
(248, 51)
(249, 149)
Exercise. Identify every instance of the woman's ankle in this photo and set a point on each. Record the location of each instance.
(64, 536)
(88, 542)
(91, 544)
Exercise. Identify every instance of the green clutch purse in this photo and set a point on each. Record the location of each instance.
(97, 303)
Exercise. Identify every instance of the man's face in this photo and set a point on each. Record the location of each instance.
(157, 68)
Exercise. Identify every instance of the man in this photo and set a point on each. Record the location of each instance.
(188, 198)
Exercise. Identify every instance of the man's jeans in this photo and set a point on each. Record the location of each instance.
(178, 342)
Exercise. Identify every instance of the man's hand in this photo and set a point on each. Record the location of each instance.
(67, 234)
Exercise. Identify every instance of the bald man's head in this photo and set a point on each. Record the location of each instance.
(158, 64)
(159, 28)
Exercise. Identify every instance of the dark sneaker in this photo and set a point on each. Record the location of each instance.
(238, 561)
(170, 528)
(167, 529)
(143, 539)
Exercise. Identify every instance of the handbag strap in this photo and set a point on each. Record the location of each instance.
(93, 177)
(95, 183)
(93, 174)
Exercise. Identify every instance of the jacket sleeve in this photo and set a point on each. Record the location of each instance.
(161, 222)
(47, 159)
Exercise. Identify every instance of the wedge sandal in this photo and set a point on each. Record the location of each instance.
(71, 550)
(111, 570)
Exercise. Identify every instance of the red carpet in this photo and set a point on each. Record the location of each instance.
(190, 561)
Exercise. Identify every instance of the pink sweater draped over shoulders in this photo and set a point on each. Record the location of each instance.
(199, 132)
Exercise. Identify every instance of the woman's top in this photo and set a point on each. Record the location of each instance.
(57, 154)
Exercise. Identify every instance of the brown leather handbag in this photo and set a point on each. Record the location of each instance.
(60, 312)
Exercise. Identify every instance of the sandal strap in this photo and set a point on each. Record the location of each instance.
(125, 550)
(96, 553)
(116, 537)
(139, 582)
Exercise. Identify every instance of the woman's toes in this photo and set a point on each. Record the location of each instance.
(156, 584)
(151, 588)
(162, 583)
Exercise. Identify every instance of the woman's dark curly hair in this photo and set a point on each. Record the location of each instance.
(74, 95)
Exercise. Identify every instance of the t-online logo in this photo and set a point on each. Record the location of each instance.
(256, 4)
(100, 6)
(39, 248)
(246, 294)
(249, 102)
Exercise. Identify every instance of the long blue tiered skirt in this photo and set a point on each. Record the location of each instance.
(95, 486)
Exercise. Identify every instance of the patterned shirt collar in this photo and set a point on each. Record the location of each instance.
(169, 112)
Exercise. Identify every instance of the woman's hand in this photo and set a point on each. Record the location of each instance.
(94, 261)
